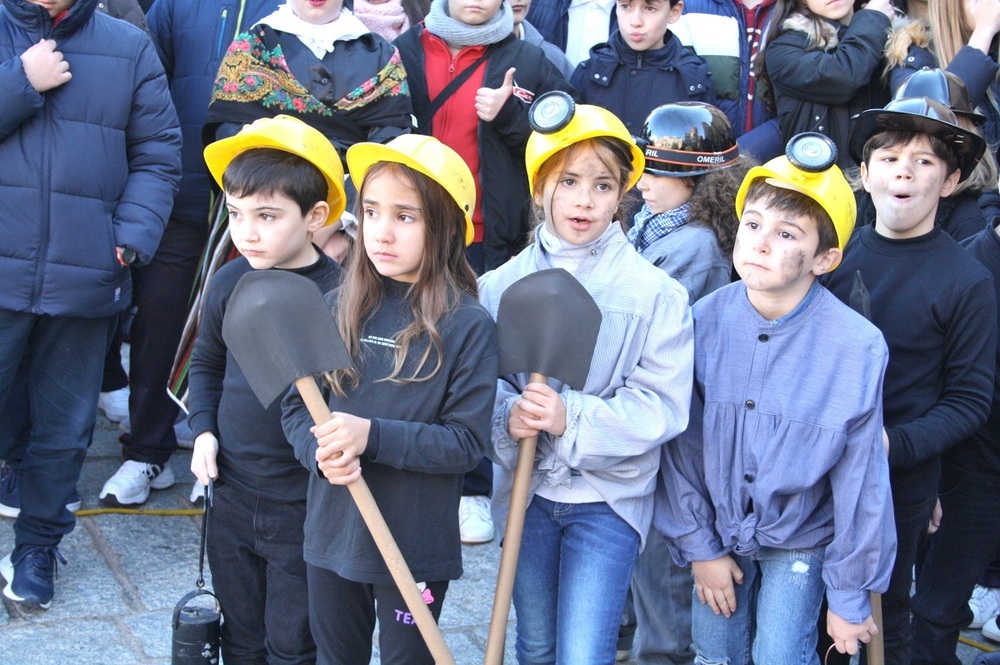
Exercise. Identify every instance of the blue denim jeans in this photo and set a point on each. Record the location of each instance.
(572, 576)
(56, 362)
(775, 618)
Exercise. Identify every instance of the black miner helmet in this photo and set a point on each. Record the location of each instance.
(687, 139)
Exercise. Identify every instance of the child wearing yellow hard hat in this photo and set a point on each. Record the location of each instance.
(778, 493)
(413, 413)
(590, 495)
(282, 181)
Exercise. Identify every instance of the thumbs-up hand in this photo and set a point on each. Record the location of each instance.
(489, 101)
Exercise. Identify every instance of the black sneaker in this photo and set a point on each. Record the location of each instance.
(10, 497)
(30, 572)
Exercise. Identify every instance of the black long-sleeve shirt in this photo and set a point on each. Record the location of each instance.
(937, 310)
(979, 457)
(253, 452)
(424, 437)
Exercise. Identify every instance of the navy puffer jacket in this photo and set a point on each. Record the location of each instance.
(192, 36)
(86, 166)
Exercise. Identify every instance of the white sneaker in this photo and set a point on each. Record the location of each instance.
(114, 404)
(197, 493)
(985, 604)
(125, 425)
(131, 483)
(475, 525)
(991, 630)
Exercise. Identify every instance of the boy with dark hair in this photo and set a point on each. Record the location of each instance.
(934, 304)
(283, 181)
(767, 526)
(643, 65)
(90, 147)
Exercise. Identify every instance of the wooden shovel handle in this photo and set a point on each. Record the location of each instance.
(320, 412)
(511, 544)
(876, 648)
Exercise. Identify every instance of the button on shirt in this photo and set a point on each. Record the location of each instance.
(784, 446)
(588, 25)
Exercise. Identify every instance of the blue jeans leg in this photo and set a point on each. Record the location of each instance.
(572, 576)
(776, 610)
(65, 364)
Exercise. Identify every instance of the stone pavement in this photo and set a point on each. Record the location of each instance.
(115, 596)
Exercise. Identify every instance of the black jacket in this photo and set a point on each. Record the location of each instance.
(502, 174)
(631, 83)
(819, 91)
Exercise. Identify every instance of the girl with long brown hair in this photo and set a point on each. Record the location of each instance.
(412, 414)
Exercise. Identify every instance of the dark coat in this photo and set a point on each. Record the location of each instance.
(87, 166)
(630, 83)
(551, 18)
(820, 90)
(191, 37)
(501, 142)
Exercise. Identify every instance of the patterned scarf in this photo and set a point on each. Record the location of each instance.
(460, 35)
(649, 228)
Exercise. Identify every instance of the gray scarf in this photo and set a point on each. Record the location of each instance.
(460, 35)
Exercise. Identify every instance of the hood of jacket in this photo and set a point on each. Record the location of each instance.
(823, 35)
(905, 33)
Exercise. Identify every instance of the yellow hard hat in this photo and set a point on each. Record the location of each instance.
(427, 155)
(559, 123)
(290, 134)
(809, 167)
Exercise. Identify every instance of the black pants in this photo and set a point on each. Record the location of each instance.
(913, 498)
(162, 303)
(255, 553)
(956, 557)
(342, 615)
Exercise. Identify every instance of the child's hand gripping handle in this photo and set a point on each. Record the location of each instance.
(511, 544)
(386, 544)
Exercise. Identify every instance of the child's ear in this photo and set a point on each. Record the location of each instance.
(864, 177)
(827, 260)
(317, 216)
(950, 183)
(675, 12)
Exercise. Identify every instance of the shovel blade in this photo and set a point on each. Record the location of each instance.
(548, 323)
(279, 329)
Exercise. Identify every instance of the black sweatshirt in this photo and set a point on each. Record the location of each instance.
(978, 459)
(424, 437)
(936, 308)
(253, 452)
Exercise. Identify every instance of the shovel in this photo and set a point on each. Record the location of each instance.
(280, 331)
(860, 302)
(547, 324)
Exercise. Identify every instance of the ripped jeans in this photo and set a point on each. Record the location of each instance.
(776, 611)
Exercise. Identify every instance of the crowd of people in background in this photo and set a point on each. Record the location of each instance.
(786, 211)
